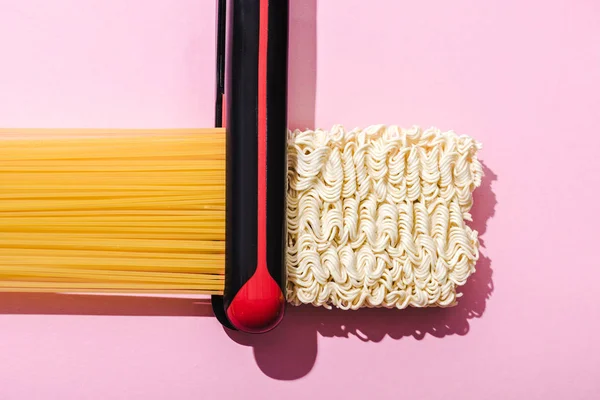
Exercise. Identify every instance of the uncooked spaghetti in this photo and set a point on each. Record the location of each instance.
(122, 211)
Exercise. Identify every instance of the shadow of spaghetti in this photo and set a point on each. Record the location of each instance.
(101, 304)
(297, 336)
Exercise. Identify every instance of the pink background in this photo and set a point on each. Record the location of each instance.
(523, 77)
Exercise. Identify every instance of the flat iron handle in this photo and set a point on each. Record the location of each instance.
(256, 126)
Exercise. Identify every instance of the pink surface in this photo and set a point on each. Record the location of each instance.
(522, 77)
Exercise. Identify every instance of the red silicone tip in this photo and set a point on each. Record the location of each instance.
(259, 305)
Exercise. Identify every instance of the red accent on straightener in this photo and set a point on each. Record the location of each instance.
(258, 306)
(263, 41)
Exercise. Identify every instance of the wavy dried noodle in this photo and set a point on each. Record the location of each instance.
(376, 217)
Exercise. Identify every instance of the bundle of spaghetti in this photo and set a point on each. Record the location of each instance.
(116, 211)
(376, 217)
